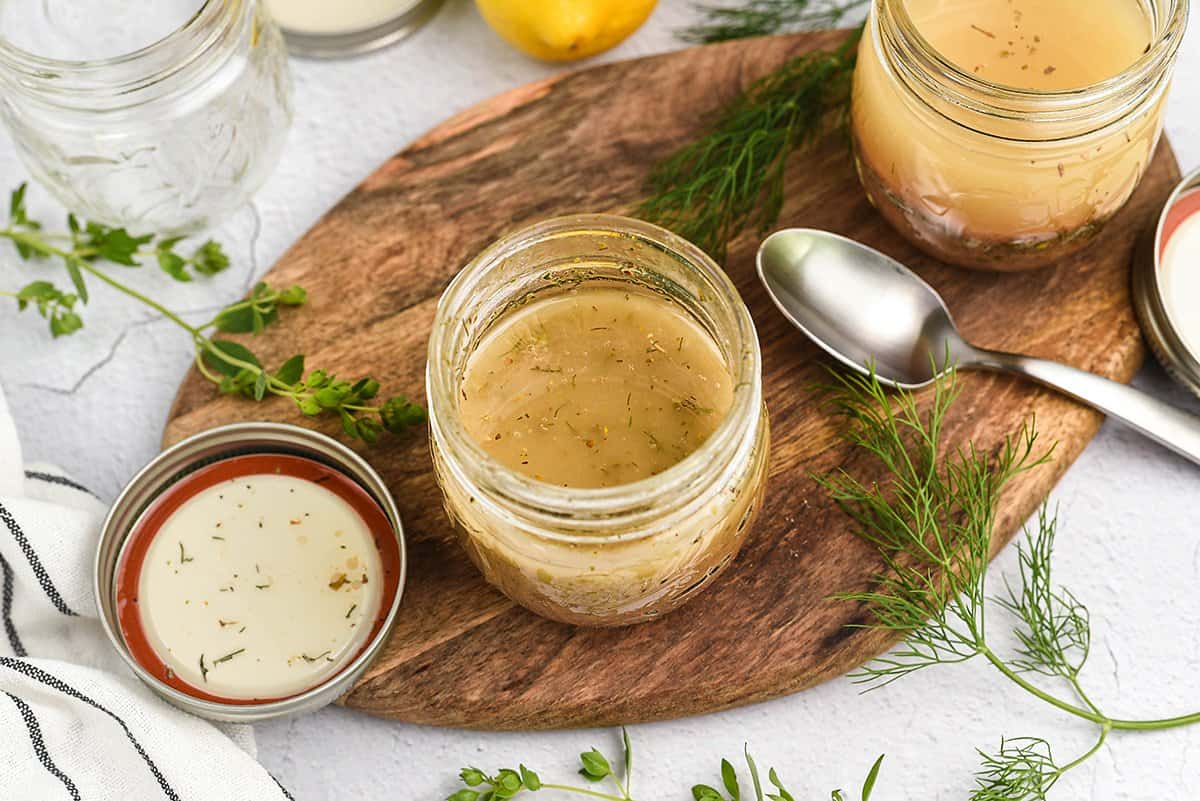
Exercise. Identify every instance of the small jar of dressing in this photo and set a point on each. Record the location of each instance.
(597, 419)
(1003, 134)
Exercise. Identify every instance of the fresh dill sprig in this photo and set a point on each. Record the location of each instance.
(1022, 770)
(596, 769)
(230, 365)
(932, 522)
(762, 17)
(732, 177)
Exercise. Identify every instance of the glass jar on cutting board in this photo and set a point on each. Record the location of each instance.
(1003, 134)
(597, 420)
(162, 116)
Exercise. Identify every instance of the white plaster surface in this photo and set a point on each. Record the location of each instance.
(1129, 547)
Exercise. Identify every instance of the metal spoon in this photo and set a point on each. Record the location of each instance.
(865, 308)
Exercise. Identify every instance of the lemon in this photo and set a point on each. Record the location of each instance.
(564, 30)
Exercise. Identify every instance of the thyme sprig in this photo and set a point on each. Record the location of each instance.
(932, 521)
(762, 17)
(230, 365)
(596, 769)
(732, 177)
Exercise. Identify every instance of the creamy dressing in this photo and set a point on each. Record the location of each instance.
(596, 387)
(261, 586)
(346, 16)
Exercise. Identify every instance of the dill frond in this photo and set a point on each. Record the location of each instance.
(733, 176)
(762, 17)
(931, 521)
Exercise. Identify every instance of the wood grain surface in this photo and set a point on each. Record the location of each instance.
(462, 654)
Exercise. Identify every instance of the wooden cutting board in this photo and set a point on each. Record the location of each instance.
(462, 654)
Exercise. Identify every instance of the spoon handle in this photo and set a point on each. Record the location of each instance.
(1171, 427)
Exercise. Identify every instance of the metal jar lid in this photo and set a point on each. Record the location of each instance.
(354, 43)
(1168, 346)
(184, 458)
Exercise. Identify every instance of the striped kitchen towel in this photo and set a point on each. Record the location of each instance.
(74, 721)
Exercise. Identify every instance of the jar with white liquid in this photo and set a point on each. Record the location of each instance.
(162, 116)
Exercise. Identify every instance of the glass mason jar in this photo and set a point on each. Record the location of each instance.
(170, 137)
(611, 555)
(995, 177)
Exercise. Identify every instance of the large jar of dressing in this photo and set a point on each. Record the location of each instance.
(1002, 134)
(598, 429)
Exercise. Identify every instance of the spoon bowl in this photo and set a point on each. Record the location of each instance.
(860, 306)
(871, 313)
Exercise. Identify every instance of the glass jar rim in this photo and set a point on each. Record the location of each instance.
(974, 93)
(194, 37)
(552, 501)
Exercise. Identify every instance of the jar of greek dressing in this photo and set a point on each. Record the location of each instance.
(1003, 134)
(597, 419)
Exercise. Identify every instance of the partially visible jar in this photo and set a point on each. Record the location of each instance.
(996, 177)
(170, 137)
(612, 555)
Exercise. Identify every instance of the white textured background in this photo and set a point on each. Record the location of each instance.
(1130, 544)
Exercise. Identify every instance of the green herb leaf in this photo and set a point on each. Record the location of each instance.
(291, 371)
(209, 258)
(628, 749)
(114, 244)
(463, 795)
(758, 794)
(293, 296)
(77, 279)
(472, 777)
(530, 779)
(16, 205)
(53, 305)
(233, 350)
(173, 265)
(398, 414)
(702, 792)
(729, 779)
(783, 794)
(260, 386)
(869, 784)
(595, 766)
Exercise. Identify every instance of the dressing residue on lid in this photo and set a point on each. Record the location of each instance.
(260, 586)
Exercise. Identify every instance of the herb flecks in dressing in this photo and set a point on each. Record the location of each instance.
(596, 387)
(1035, 44)
(233, 621)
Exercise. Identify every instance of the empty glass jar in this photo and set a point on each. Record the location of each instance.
(162, 116)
